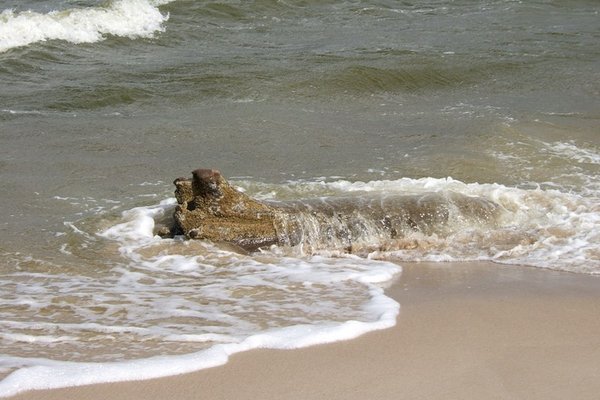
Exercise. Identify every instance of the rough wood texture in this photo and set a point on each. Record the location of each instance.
(210, 208)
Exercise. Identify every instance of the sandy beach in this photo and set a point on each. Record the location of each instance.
(465, 331)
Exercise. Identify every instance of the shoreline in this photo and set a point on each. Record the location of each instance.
(468, 330)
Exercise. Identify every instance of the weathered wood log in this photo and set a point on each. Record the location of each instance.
(210, 208)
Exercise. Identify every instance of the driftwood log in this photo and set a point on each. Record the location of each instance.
(210, 208)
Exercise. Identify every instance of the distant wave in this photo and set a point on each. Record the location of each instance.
(127, 18)
(425, 74)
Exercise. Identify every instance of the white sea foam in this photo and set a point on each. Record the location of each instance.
(546, 228)
(48, 374)
(542, 228)
(127, 18)
(178, 306)
(571, 151)
(173, 294)
(17, 112)
(45, 339)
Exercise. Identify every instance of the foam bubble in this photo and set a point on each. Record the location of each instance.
(126, 18)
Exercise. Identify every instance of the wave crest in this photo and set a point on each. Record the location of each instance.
(126, 18)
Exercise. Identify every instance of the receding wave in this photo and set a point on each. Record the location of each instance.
(170, 306)
(126, 18)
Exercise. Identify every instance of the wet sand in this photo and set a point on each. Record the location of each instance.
(465, 331)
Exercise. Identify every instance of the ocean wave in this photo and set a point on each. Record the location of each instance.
(126, 18)
(420, 75)
(545, 228)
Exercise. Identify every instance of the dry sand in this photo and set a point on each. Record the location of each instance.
(465, 331)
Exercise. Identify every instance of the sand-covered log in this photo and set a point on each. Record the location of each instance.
(210, 208)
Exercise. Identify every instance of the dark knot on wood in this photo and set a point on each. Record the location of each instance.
(207, 183)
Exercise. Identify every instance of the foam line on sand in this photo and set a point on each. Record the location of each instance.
(465, 331)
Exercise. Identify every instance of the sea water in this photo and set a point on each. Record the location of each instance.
(104, 103)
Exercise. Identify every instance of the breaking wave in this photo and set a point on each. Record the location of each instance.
(127, 18)
(544, 228)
